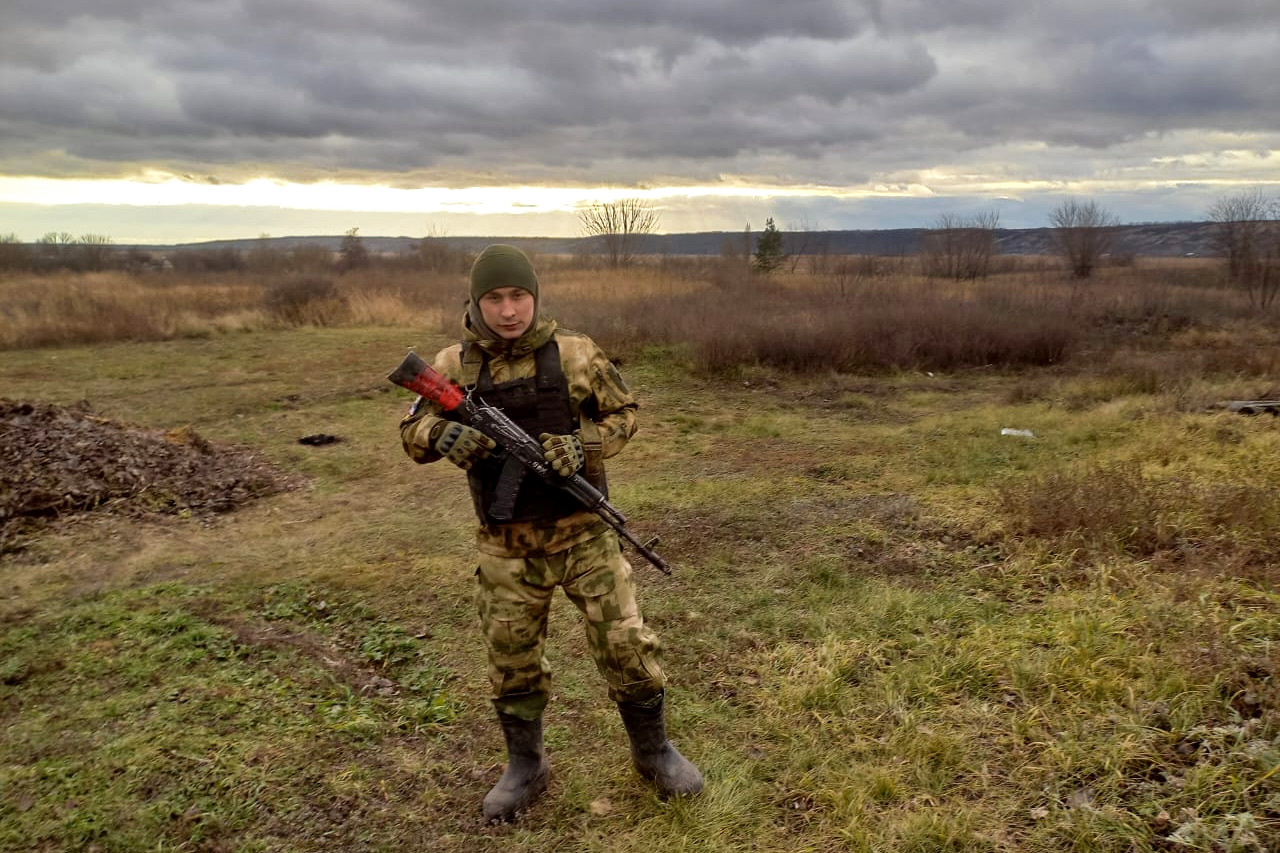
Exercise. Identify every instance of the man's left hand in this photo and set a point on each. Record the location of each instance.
(564, 452)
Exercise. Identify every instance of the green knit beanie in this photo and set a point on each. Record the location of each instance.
(500, 265)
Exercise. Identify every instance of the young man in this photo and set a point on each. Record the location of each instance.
(559, 386)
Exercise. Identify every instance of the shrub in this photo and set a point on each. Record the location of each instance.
(885, 325)
(308, 299)
(207, 260)
(1117, 508)
(1101, 507)
(437, 255)
(14, 254)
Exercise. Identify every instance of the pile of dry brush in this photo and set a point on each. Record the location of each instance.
(60, 460)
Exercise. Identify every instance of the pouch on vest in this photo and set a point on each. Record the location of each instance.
(500, 489)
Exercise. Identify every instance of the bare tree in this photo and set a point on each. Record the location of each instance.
(961, 248)
(53, 250)
(801, 240)
(821, 258)
(264, 257)
(437, 255)
(1248, 236)
(621, 226)
(849, 271)
(92, 252)
(1083, 234)
(14, 254)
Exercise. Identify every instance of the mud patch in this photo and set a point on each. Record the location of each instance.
(60, 461)
(268, 635)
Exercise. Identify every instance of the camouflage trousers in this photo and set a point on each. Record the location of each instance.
(514, 598)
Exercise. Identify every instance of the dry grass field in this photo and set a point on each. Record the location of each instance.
(891, 627)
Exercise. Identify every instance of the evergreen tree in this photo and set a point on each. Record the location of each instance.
(769, 254)
(353, 254)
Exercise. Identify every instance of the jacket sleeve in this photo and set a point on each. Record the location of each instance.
(416, 428)
(615, 407)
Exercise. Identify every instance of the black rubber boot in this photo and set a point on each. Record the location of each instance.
(654, 756)
(527, 769)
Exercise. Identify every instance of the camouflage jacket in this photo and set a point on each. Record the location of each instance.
(599, 400)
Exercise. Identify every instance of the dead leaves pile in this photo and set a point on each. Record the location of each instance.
(58, 461)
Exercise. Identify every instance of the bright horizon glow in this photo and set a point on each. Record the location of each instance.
(164, 206)
(163, 189)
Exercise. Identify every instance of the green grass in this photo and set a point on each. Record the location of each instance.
(890, 627)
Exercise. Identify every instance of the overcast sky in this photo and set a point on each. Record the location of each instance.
(171, 120)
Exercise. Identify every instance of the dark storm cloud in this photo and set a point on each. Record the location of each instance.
(820, 91)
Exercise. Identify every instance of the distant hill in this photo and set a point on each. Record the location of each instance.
(1160, 239)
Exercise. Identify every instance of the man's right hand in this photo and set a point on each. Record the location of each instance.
(462, 445)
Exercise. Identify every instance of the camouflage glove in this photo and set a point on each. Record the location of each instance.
(461, 444)
(564, 452)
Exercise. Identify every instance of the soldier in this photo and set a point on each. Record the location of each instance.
(559, 386)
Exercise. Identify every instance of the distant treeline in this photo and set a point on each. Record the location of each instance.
(1160, 239)
(66, 252)
(93, 252)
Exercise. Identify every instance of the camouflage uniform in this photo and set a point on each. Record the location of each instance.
(521, 563)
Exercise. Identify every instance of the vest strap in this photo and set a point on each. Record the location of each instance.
(592, 445)
(472, 359)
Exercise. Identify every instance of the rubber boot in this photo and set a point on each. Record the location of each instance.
(654, 756)
(527, 769)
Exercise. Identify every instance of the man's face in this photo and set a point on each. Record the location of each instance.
(508, 311)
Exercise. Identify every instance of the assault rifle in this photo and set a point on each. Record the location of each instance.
(419, 377)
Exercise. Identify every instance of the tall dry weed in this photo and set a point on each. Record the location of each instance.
(859, 314)
(40, 311)
(1118, 508)
(805, 327)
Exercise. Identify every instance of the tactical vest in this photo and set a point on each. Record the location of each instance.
(539, 404)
